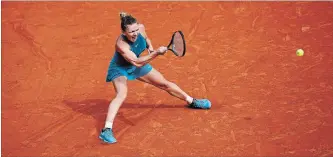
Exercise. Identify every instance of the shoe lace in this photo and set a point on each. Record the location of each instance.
(199, 103)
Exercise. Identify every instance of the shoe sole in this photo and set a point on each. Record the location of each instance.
(200, 108)
(106, 140)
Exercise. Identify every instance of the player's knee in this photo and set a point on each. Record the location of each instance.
(166, 85)
(122, 95)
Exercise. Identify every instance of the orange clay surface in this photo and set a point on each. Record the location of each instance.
(241, 55)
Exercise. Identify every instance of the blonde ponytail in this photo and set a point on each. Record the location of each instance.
(126, 19)
(122, 14)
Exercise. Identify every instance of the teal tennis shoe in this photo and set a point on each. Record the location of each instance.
(107, 136)
(200, 104)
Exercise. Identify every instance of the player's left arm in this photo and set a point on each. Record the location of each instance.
(144, 34)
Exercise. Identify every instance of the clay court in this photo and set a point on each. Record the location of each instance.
(266, 101)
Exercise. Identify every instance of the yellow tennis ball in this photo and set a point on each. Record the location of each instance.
(299, 52)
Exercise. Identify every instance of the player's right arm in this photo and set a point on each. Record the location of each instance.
(124, 49)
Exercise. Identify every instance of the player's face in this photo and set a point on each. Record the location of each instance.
(132, 32)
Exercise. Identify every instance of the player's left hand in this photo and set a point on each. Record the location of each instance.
(161, 50)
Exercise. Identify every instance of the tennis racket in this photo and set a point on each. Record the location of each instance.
(177, 44)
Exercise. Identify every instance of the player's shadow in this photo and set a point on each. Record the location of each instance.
(97, 108)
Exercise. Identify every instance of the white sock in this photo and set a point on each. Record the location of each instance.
(108, 125)
(189, 99)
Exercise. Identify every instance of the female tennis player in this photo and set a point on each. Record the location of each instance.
(127, 64)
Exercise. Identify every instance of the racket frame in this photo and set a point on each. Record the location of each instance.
(182, 35)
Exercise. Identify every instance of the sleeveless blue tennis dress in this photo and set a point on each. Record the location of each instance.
(119, 66)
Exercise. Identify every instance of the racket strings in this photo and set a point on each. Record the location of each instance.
(178, 45)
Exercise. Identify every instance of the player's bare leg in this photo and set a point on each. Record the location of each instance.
(120, 85)
(156, 78)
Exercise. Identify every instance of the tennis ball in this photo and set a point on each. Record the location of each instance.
(299, 52)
